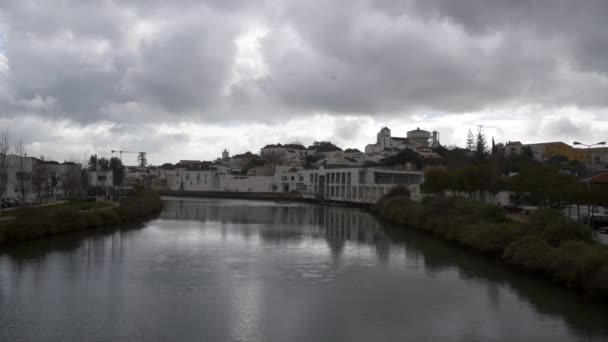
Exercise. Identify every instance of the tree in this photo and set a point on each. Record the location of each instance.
(481, 146)
(118, 171)
(22, 176)
(527, 154)
(402, 158)
(4, 148)
(324, 146)
(39, 180)
(142, 160)
(470, 145)
(74, 180)
(92, 163)
(436, 181)
(104, 164)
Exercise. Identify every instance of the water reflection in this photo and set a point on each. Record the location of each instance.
(227, 270)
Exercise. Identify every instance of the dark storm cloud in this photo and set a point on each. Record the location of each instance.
(153, 61)
(342, 57)
(450, 56)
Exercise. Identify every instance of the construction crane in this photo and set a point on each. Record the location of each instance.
(140, 155)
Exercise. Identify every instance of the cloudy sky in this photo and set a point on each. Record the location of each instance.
(184, 79)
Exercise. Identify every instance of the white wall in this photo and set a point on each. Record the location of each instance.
(246, 183)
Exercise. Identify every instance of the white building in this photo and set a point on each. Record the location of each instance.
(357, 184)
(99, 178)
(18, 174)
(416, 139)
(274, 153)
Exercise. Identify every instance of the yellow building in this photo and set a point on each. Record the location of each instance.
(542, 151)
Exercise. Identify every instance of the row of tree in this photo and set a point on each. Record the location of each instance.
(539, 184)
(113, 164)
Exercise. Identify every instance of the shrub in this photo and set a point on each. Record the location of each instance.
(555, 229)
(68, 220)
(576, 263)
(93, 219)
(109, 217)
(599, 286)
(30, 223)
(529, 252)
(399, 190)
(3, 227)
(491, 238)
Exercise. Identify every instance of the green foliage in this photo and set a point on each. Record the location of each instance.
(552, 227)
(546, 185)
(67, 220)
(36, 222)
(436, 181)
(466, 180)
(529, 252)
(549, 244)
(481, 145)
(324, 146)
(490, 238)
(403, 157)
(30, 223)
(118, 171)
(470, 143)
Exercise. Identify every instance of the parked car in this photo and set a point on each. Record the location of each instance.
(603, 230)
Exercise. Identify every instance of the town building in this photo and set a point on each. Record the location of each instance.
(354, 184)
(595, 158)
(417, 139)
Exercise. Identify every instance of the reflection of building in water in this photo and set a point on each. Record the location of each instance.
(336, 225)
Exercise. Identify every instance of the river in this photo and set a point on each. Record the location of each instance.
(232, 270)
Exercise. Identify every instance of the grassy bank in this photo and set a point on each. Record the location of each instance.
(549, 244)
(36, 222)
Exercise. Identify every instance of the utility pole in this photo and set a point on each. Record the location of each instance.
(589, 175)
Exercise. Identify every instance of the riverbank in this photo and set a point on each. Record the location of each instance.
(38, 222)
(260, 196)
(548, 245)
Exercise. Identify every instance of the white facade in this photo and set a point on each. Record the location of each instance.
(347, 184)
(18, 168)
(384, 141)
(357, 185)
(100, 178)
(247, 183)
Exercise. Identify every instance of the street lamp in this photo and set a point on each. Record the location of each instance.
(589, 168)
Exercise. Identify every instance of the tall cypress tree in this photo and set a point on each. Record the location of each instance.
(470, 141)
(481, 146)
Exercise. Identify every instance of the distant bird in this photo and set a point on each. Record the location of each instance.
(333, 77)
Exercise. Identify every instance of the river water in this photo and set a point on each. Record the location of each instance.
(231, 270)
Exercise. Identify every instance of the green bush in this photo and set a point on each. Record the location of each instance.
(491, 238)
(599, 285)
(68, 220)
(549, 244)
(36, 222)
(109, 217)
(576, 263)
(30, 223)
(3, 227)
(555, 229)
(529, 252)
(93, 219)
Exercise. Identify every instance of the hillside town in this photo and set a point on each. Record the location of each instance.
(321, 171)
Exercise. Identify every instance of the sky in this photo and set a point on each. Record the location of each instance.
(185, 79)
